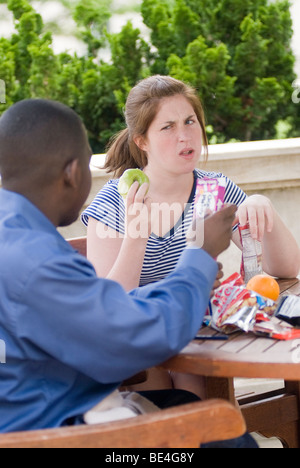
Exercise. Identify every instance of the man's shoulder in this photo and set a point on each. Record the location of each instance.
(26, 249)
(37, 255)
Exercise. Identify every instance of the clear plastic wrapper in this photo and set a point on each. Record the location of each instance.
(252, 254)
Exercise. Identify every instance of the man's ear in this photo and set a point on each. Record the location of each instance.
(140, 142)
(71, 173)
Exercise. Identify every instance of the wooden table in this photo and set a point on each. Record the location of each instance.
(274, 413)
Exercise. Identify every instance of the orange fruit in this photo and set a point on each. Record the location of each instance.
(264, 285)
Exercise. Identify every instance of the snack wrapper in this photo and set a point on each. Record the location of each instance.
(244, 319)
(234, 307)
(209, 196)
(288, 309)
(252, 254)
(273, 328)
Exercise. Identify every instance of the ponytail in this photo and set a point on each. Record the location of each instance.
(124, 154)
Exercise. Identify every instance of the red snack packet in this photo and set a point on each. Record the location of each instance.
(227, 301)
(234, 280)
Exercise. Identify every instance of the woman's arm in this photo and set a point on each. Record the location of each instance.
(281, 254)
(119, 257)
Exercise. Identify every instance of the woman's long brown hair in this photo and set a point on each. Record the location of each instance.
(141, 108)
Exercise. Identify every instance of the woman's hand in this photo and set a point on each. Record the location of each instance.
(258, 211)
(111, 252)
(138, 212)
(281, 254)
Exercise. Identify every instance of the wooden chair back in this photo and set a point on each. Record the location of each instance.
(184, 426)
(80, 244)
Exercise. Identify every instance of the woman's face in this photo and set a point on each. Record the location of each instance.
(174, 139)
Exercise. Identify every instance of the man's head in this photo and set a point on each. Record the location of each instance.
(44, 155)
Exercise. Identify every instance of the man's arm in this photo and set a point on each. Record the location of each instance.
(95, 327)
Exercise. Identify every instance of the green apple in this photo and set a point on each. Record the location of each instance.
(127, 179)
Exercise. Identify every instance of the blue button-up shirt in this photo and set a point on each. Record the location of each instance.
(70, 338)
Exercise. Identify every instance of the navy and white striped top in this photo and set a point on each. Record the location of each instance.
(162, 253)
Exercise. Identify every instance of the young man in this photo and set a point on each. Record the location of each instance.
(69, 343)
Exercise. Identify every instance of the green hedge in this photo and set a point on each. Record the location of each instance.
(237, 53)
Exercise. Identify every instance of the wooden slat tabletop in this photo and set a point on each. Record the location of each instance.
(243, 355)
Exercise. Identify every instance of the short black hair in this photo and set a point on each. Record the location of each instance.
(38, 138)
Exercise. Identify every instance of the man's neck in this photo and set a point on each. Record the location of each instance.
(44, 199)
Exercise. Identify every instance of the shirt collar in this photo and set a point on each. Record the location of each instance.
(14, 204)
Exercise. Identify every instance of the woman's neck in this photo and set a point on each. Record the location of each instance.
(168, 187)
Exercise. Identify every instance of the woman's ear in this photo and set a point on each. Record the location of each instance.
(140, 142)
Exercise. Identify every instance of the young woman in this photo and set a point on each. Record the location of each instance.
(165, 137)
